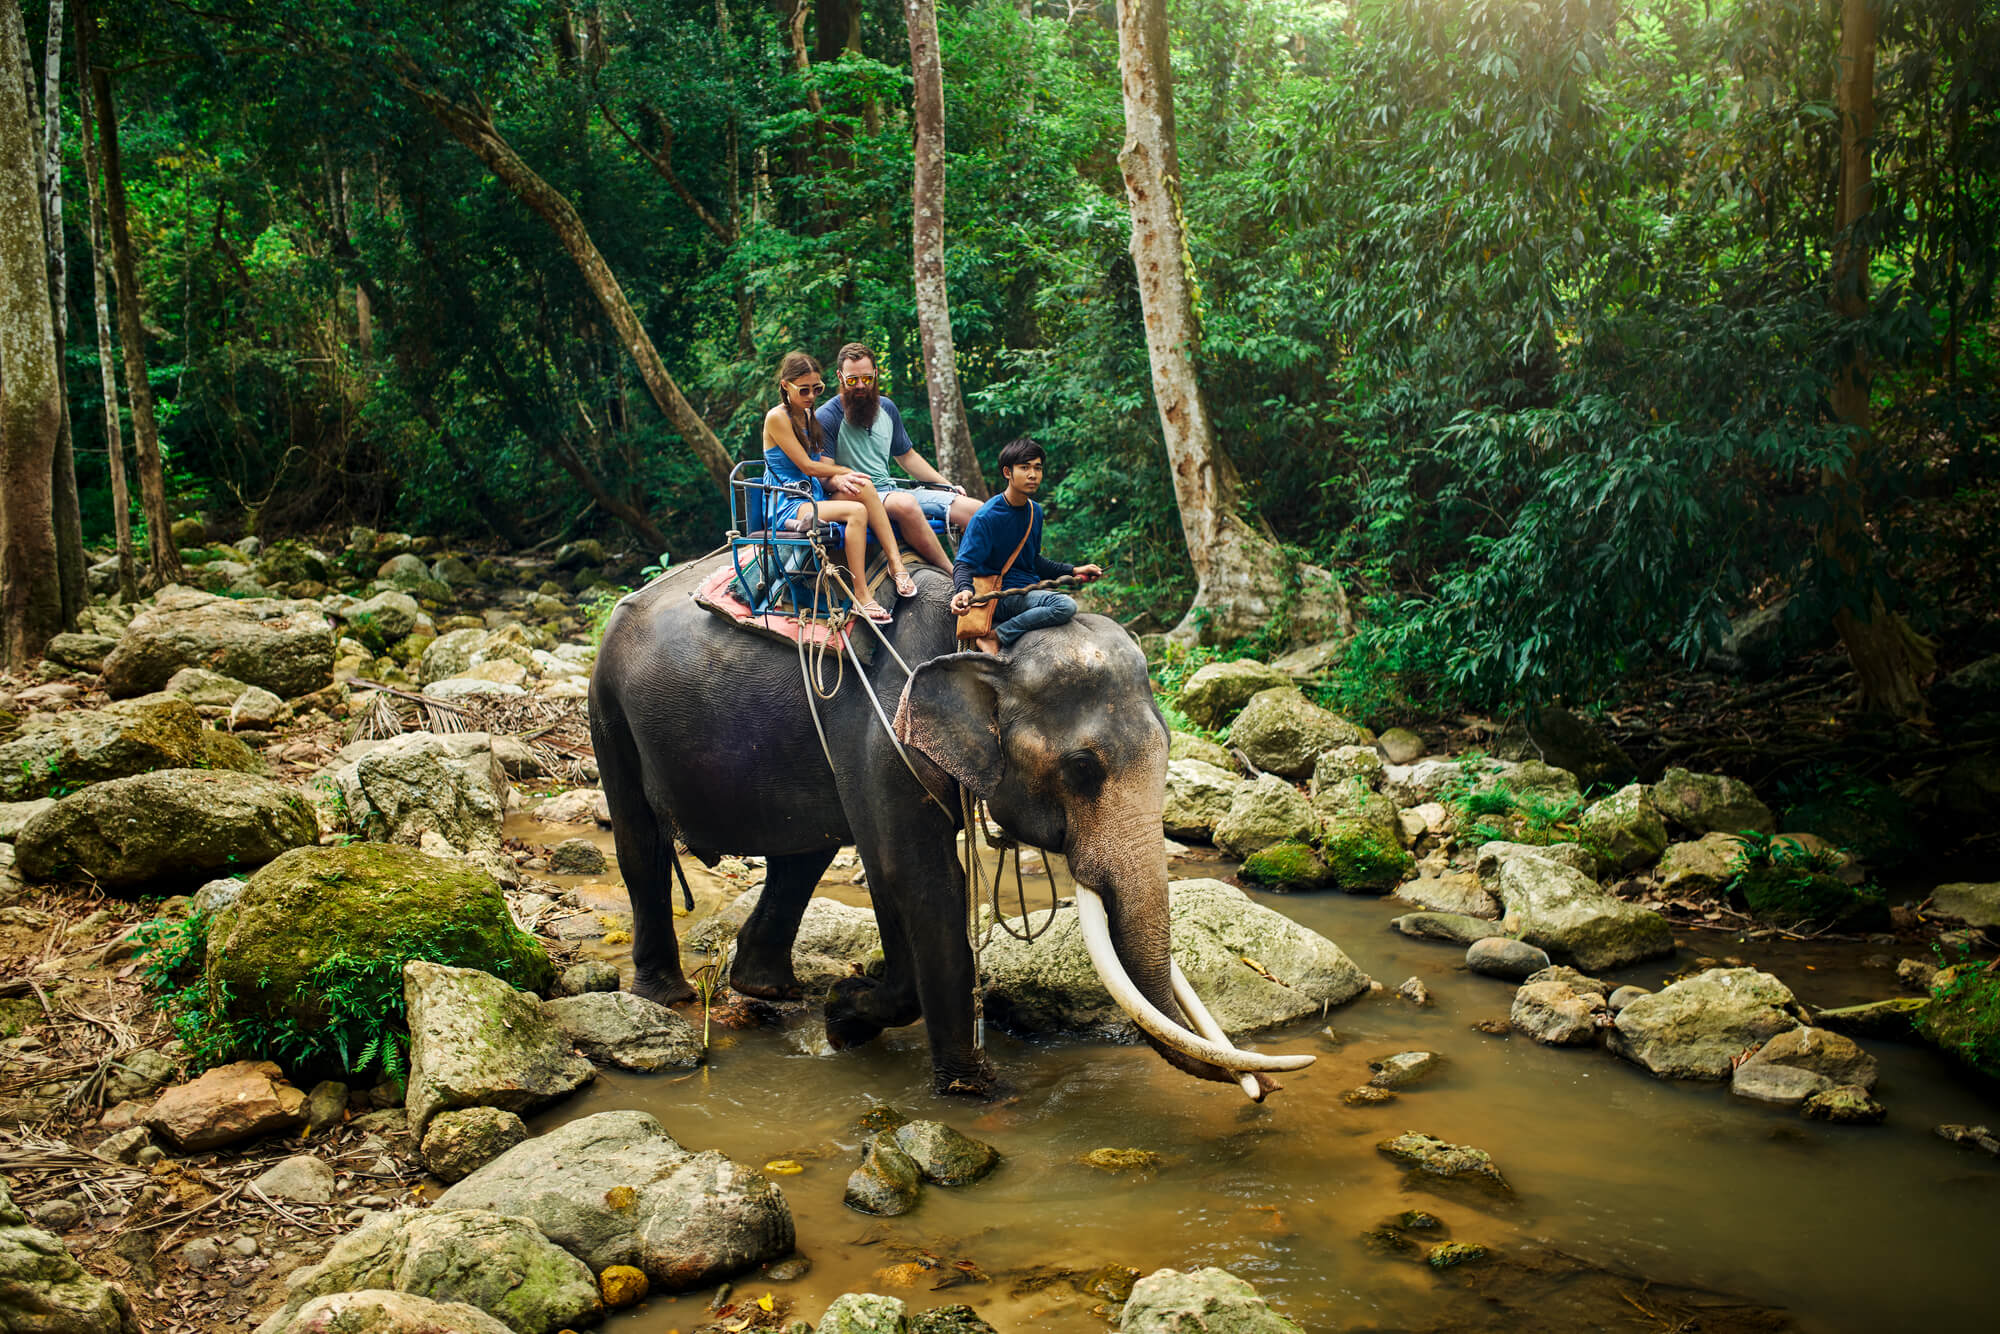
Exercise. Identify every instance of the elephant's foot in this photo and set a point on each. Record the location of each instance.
(765, 983)
(973, 1080)
(663, 990)
(847, 1023)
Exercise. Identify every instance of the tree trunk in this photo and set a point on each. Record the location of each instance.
(949, 431)
(475, 130)
(68, 511)
(100, 278)
(1889, 657)
(1239, 573)
(163, 559)
(30, 385)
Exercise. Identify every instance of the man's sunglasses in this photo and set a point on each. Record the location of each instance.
(859, 381)
(809, 390)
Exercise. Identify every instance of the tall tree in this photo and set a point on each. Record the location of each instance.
(950, 431)
(1239, 572)
(100, 281)
(162, 557)
(30, 383)
(1889, 657)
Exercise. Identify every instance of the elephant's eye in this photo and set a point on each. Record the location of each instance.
(1082, 772)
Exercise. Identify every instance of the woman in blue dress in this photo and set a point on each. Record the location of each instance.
(795, 455)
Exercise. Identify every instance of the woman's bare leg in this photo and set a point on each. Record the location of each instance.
(853, 516)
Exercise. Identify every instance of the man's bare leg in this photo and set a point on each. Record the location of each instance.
(918, 538)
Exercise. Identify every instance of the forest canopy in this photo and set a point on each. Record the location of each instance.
(1561, 333)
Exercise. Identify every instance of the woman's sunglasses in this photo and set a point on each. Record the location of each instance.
(809, 390)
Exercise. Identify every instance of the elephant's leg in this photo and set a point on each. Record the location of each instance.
(859, 1008)
(645, 860)
(763, 962)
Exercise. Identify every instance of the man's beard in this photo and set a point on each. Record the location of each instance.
(859, 406)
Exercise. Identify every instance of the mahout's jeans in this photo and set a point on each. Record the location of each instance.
(1018, 613)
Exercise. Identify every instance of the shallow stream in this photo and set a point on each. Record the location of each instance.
(1879, 1228)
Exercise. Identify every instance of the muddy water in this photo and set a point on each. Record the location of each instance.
(1848, 1228)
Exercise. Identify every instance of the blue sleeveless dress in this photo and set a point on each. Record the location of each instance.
(779, 470)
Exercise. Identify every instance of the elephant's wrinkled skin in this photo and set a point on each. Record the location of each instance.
(702, 727)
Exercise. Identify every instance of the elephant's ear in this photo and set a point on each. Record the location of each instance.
(950, 715)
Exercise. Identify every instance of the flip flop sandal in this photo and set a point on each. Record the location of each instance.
(906, 584)
(874, 611)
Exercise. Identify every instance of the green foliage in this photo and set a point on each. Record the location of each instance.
(1849, 811)
(1782, 881)
(597, 606)
(1361, 857)
(1963, 1017)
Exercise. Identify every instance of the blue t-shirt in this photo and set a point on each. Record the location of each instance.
(990, 537)
(864, 450)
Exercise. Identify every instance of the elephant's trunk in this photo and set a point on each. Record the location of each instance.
(1130, 948)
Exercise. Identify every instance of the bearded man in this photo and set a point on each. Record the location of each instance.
(866, 431)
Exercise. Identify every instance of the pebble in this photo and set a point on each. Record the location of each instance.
(245, 1246)
(149, 1155)
(58, 1215)
(201, 1254)
(788, 1269)
(1414, 991)
(1624, 996)
(1367, 1093)
(356, 1217)
(1497, 956)
(1402, 1069)
(590, 975)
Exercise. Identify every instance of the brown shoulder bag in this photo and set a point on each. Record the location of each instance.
(976, 621)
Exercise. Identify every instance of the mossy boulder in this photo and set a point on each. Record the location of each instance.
(1963, 1017)
(1283, 732)
(285, 647)
(173, 824)
(291, 562)
(382, 620)
(1264, 812)
(1217, 692)
(1187, 746)
(368, 902)
(1795, 897)
(94, 746)
(1199, 795)
(1288, 865)
(1362, 846)
(1625, 828)
(1711, 803)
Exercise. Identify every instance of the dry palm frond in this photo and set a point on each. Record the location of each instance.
(380, 718)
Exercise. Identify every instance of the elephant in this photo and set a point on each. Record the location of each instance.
(703, 729)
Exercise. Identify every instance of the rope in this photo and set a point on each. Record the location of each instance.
(1060, 581)
(978, 937)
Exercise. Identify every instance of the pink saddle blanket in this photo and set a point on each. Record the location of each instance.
(717, 594)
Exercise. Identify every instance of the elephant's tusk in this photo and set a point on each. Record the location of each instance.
(1104, 958)
(1204, 1024)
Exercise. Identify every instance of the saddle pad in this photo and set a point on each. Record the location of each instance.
(716, 594)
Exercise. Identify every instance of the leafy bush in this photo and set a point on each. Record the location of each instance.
(1782, 881)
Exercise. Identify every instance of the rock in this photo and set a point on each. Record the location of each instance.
(173, 824)
(1711, 803)
(1217, 692)
(367, 902)
(285, 647)
(1896, 1019)
(863, 1313)
(614, 1188)
(257, 709)
(1353, 768)
(1454, 892)
(404, 571)
(1493, 855)
(588, 976)
(1168, 1301)
(1451, 1162)
(461, 1141)
(945, 1157)
(1779, 1084)
(888, 1183)
(628, 1031)
(1414, 991)
(1050, 987)
(1963, 1016)
(1624, 996)
(1557, 1014)
(477, 1042)
(451, 785)
(378, 1311)
(94, 746)
(382, 620)
(210, 692)
(1571, 742)
(1696, 1027)
(84, 653)
(1701, 867)
(43, 1290)
(1970, 1137)
(301, 1177)
(144, 1073)
(1497, 956)
(325, 1107)
(292, 562)
(226, 1105)
(1266, 811)
(453, 573)
(1823, 1052)
(1399, 745)
(502, 1266)
(1362, 845)
(622, 1286)
(1283, 733)
(1186, 746)
(58, 1216)
(16, 815)
(1451, 928)
(963, 1319)
(1451, 1254)
(1565, 913)
(1290, 865)
(201, 1255)
(516, 757)
(577, 807)
(1366, 1095)
(1844, 1104)
(465, 687)
(1403, 1069)
(1974, 904)
(1627, 827)
(576, 856)
(1199, 795)
(124, 1146)
(586, 551)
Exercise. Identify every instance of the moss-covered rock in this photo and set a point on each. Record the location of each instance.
(1363, 855)
(167, 825)
(1217, 693)
(1186, 746)
(1283, 732)
(1288, 865)
(367, 902)
(1963, 1017)
(1711, 803)
(291, 562)
(1625, 829)
(1790, 896)
(1264, 812)
(133, 737)
(285, 647)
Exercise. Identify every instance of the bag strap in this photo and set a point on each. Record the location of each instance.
(1034, 513)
